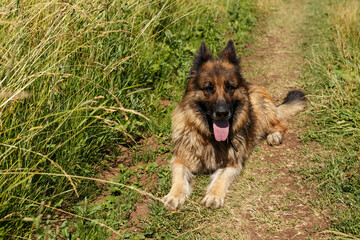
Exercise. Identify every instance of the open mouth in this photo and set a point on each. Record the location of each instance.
(221, 129)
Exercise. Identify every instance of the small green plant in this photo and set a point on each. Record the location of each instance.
(82, 228)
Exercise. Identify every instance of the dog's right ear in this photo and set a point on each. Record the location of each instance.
(203, 55)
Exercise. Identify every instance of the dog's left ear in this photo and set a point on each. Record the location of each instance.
(229, 53)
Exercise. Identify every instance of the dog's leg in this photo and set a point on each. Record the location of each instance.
(220, 182)
(277, 131)
(275, 138)
(181, 185)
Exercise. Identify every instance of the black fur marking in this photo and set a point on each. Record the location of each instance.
(203, 55)
(203, 111)
(293, 96)
(232, 144)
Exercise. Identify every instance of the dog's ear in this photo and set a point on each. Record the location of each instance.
(229, 53)
(203, 55)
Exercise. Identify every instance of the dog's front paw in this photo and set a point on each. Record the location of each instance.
(174, 201)
(274, 139)
(213, 200)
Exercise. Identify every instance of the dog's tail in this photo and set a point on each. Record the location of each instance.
(294, 102)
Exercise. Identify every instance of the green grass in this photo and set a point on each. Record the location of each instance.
(332, 80)
(80, 78)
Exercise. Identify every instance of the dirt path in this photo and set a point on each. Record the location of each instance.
(269, 200)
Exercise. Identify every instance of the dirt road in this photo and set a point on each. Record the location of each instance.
(270, 200)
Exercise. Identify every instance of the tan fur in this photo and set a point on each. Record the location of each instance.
(181, 187)
(195, 149)
(289, 110)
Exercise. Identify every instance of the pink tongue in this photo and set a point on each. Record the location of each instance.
(221, 130)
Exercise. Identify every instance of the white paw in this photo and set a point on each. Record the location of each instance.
(274, 139)
(212, 200)
(174, 201)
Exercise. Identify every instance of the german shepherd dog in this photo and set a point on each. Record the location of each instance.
(219, 120)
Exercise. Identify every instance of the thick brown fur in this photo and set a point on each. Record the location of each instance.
(216, 84)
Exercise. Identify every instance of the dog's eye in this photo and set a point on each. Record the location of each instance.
(209, 90)
(229, 88)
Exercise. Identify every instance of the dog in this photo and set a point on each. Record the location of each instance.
(218, 122)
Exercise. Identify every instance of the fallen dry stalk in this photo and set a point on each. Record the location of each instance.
(86, 178)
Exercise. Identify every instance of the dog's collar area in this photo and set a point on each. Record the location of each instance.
(232, 144)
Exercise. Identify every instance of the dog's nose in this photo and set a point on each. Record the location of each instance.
(222, 110)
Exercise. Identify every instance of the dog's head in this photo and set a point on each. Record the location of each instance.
(217, 89)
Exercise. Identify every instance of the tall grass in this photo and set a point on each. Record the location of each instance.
(333, 82)
(78, 78)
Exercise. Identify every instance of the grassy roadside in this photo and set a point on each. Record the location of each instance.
(79, 79)
(332, 80)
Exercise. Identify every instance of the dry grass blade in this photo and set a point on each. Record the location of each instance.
(86, 178)
(119, 103)
(190, 231)
(10, 215)
(120, 62)
(113, 109)
(116, 31)
(22, 95)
